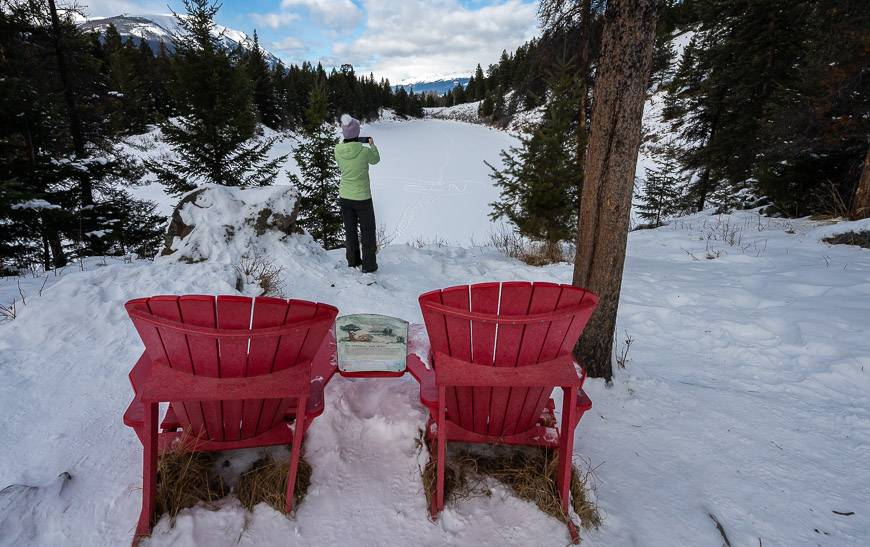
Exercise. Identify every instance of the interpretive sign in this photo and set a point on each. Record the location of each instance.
(371, 343)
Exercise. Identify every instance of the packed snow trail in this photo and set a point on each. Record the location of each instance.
(745, 397)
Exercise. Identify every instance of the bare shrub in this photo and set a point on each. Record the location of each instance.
(261, 272)
(832, 204)
(532, 253)
(8, 312)
(622, 356)
(383, 238)
(435, 241)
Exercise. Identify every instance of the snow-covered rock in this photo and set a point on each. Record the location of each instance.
(225, 224)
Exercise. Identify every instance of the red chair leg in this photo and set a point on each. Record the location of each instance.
(298, 433)
(149, 472)
(566, 452)
(438, 499)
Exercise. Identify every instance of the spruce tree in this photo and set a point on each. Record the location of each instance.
(213, 135)
(58, 162)
(815, 136)
(539, 181)
(487, 107)
(743, 56)
(479, 84)
(661, 192)
(134, 108)
(264, 94)
(319, 211)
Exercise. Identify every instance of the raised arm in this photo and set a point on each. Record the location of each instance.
(373, 156)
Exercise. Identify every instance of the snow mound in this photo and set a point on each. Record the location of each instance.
(223, 224)
(838, 228)
(465, 112)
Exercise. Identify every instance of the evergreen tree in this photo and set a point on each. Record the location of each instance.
(401, 103)
(213, 134)
(479, 84)
(128, 80)
(58, 164)
(264, 94)
(487, 107)
(744, 54)
(815, 135)
(319, 211)
(539, 181)
(161, 83)
(661, 193)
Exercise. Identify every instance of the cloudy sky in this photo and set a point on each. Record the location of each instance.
(403, 40)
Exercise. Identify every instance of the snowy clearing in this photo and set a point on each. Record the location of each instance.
(431, 185)
(745, 397)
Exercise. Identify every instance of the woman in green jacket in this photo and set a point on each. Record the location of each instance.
(355, 195)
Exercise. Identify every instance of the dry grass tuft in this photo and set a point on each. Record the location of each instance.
(861, 239)
(533, 253)
(461, 480)
(185, 478)
(266, 481)
(530, 472)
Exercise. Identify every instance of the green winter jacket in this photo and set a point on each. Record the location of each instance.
(353, 160)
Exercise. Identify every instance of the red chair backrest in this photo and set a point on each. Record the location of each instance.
(511, 324)
(230, 346)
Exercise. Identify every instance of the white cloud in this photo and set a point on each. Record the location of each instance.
(336, 14)
(290, 44)
(420, 39)
(109, 8)
(274, 20)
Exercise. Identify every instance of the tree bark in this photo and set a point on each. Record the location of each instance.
(585, 62)
(861, 202)
(75, 124)
(611, 158)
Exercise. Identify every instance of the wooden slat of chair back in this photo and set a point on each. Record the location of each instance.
(230, 336)
(505, 325)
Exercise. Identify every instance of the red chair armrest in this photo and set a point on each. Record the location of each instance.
(425, 377)
(559, 372)
(139, 373)
(584, 403)
(167, 384)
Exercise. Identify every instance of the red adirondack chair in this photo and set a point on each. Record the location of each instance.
(236, 372)
(497, 352)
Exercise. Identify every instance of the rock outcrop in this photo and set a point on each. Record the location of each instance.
(217, 221)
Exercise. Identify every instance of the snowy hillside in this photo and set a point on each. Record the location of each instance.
(745, 398)
(157, 28)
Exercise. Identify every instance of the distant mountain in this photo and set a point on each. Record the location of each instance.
(439, 86)
(159, 28)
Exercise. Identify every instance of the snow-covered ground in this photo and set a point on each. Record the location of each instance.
(745, 397)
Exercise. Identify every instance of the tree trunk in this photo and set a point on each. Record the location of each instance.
(585, 61)
(75, 125)
(52, 247)
(611, 158)
(582, 129)
(703, 188)
(861, 202)
(58, 258)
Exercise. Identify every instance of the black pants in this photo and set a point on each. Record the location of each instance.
(359, 216)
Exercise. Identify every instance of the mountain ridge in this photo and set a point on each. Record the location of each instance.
(157, 28)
